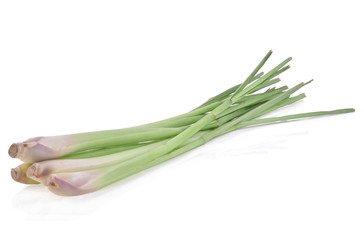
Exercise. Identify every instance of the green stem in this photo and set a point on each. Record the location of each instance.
(113, 176)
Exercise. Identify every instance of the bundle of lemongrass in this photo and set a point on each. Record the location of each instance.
(82, 163)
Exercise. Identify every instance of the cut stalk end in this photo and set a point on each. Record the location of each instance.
(14, 150)
(32, 171)
(15, 173)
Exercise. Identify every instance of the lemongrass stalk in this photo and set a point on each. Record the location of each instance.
(77, 183)
(286, 118)
(44, 148)
(19, 174)
(251, 100)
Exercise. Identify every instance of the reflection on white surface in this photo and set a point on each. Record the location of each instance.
(37, 200)
(39, 203)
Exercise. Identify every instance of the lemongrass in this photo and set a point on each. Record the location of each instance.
(43, 148)
(82, 163)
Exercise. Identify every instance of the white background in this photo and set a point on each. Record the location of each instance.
(76, 66)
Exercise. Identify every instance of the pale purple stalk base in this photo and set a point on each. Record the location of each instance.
(41, 148)
(71, 184)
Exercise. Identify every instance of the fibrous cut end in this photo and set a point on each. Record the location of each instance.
(15, 173)
(13, 150)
